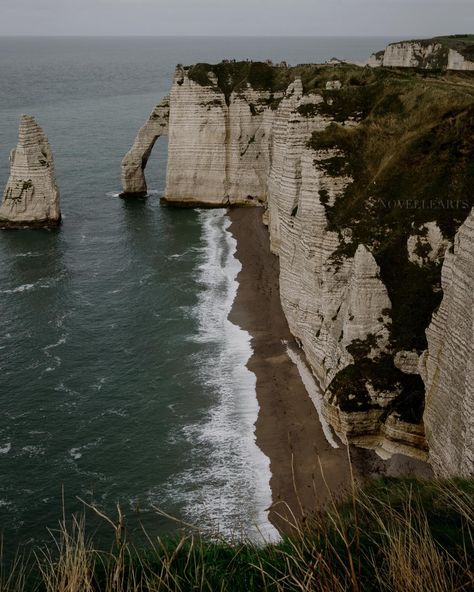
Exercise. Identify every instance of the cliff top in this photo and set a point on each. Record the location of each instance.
(232, 75)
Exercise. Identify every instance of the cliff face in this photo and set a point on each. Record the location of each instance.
(447, 366)
(363, 176)
(218, 151)
(440, 53)
(31, 197)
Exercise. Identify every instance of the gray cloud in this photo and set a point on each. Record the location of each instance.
(237, 17)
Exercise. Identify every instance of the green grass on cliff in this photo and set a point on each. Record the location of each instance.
(412, 161)
(233, 76)
(393, 536)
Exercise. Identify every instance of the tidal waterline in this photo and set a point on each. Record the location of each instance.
(121, 378)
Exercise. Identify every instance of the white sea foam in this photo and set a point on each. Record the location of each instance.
(33, 450)
(99, 383)
(40, 284)
(5, 449)
(76, 452)
(190, 251)
(231, 491)
(56, 360)
(313, 390)
(62, 388)
(114, 412)
(118, 193)
(22, 288)
(59, 320)
(28, 254)
(60, 341)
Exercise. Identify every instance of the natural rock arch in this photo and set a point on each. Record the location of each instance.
(135, 161)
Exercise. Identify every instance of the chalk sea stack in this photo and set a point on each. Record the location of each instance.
(31, 197)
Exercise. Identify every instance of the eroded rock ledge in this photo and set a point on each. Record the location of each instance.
(364, 177)
(31, 197)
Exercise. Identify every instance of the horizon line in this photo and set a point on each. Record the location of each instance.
(381, 36)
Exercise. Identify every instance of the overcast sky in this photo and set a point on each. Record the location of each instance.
(401, 18)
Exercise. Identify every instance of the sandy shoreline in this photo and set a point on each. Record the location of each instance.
(288, 429)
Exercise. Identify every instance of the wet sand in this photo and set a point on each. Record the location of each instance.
(306, 470)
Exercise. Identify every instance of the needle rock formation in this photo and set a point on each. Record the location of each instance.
(31, 197)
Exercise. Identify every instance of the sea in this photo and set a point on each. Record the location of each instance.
(122, 380)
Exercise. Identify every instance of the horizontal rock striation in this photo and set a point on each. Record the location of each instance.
(327, 151)
(31, 197)
(135, 161)
(218, 149)
(447, 366)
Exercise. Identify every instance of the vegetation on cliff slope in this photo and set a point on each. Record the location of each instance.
(412, 161)
(395, 536)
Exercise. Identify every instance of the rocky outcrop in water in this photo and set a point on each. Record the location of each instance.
(440, 53)
(328, 153)
(135, 161)
(31, 197)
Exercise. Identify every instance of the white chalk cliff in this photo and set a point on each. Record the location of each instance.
(430, 55)
(447, 367)
(250, 146)
(31, 197)
(218, 148)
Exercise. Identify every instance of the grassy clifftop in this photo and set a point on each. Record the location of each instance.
(395, 536)
(233, 76)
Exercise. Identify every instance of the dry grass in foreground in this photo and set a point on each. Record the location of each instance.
(396, 535)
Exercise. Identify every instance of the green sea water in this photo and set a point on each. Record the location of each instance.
(121, 379)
